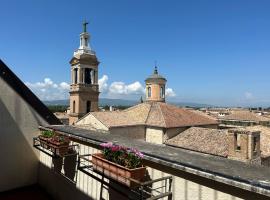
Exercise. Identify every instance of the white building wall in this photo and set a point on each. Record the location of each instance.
(154, 135)
(93, 121)
(18, 125)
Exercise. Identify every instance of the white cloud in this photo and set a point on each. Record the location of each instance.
(122, 88)
(103, 85)
(248, 95)
(63, 86)
(48, 90)
(169, 92)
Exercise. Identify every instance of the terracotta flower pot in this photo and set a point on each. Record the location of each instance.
(117, 172)
(44, 141)
(59, 148)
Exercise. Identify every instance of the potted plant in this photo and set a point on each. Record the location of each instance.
(44, 138)
(120, 163)
(59, 144)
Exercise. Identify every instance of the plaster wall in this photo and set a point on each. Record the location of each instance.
(133, 132)
(18, 125)
(155, 92)
(93, 121)
(154, 135)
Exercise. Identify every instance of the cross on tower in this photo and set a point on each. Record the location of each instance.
(84, 26)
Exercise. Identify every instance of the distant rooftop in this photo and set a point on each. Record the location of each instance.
(244, 115)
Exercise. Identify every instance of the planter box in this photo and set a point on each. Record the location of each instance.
(59, 148)
(117, 172)
(44, 141)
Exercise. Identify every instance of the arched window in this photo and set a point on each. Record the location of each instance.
(149, 91)
(87, 76)
(73, 107)
(75, 75)
(162, 93)
(88, 106)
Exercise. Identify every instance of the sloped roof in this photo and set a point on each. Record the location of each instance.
(215, 141)
(156, 114)
(205, 140)
(155, 76)
(244, 115)
(22, 90)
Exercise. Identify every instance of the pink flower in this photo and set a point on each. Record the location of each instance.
(115, 148)
(107, 145)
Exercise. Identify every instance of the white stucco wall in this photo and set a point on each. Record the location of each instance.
(154, 135)
(18, 125)
(93, 121)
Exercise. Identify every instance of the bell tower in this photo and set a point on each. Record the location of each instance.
(84, 89)
(155, 87)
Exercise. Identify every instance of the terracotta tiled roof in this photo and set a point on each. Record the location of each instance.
(244, 115)
(215, 141)
(135, 115)
(205, 140)
(156, 114)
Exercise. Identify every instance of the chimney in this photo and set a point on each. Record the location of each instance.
(244, 146)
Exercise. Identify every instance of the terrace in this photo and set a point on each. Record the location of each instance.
(167, 167)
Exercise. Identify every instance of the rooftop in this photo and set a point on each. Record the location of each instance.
(205, 140)
(215, 141)
(244, 115)
(156, 114)
(155, 76)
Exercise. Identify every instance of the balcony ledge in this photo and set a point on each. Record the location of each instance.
(233, 173)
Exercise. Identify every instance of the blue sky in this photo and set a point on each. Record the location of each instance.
(215, 52)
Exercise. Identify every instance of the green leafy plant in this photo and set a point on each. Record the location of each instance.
(127, 157)
(60, 140)
(47, 133)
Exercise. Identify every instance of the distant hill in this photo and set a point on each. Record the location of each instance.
(123, 102)
(192, 105)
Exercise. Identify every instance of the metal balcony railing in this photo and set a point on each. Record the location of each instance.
(144, 191)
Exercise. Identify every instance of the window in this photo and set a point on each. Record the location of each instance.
(87, 76)
(162, 94)
(149, 91)
(73, 107)
(254, 144)
(237, 141)
(88, 106)
(75, 75)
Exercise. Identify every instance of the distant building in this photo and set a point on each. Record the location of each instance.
(250, 144)
(238, 118)
(153, 121)
(84, 89)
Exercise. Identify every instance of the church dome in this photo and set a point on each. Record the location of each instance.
(155, 77)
